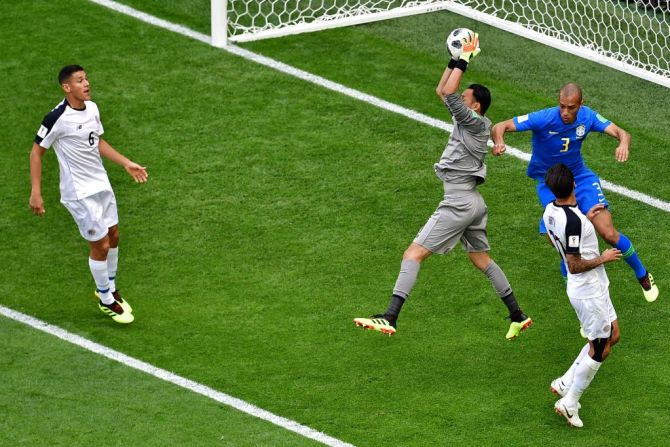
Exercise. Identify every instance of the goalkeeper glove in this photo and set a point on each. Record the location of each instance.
(470, 47)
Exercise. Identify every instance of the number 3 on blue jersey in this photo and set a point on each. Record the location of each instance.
(566, 142)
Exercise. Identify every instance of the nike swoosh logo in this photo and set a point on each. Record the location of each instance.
(553, 133)
(567, 412)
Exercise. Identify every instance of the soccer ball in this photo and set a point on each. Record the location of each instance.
(455, 41)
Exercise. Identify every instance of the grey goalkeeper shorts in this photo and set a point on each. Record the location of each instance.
(461, 215)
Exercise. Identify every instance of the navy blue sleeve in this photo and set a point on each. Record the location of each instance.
(48, 123)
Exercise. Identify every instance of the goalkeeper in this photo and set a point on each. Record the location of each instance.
(462, 214)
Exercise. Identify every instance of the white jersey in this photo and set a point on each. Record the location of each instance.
(74, 135)
(572, 233)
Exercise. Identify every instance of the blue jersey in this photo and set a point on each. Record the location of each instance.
(556, 142)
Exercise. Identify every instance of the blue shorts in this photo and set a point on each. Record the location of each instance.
(588, 191)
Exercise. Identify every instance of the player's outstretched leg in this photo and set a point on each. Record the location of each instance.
(649, 288)
(605, 226)
(387, 322)
(520, 321)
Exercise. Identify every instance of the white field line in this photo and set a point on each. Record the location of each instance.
(173, 378)
(318, 80)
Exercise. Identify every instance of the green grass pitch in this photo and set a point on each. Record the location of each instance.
(277, 211)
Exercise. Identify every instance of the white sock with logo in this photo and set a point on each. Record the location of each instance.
(584, 374)
(570, 373)
(112, 265)
(101, 278)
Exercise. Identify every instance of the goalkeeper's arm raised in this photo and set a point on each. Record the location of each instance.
(453, 81)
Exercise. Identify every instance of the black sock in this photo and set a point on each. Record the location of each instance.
(395, 306)
(513, 307)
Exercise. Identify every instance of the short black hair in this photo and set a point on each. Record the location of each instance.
(482, 95)
(67, 71)
(560, 180)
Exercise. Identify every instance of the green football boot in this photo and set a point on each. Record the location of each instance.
(376, 323)
(516, 328)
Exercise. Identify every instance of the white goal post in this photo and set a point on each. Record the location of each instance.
(631, 36)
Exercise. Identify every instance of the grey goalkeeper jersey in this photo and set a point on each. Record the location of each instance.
(463, 158)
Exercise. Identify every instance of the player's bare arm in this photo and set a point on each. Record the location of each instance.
(577, 264)
(453, 82)
(451, 78)
(137, 172)
(36, 202)
(621, 152)
(498, 135)
(443, 82)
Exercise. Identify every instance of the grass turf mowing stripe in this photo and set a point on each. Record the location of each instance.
(173, 378)
(334, 86)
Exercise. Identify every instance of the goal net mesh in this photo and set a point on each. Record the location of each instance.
(255, 16)
(632, 32)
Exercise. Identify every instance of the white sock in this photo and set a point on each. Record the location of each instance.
(112, 265)
(101, 278)
(570, 373)
(584, 374)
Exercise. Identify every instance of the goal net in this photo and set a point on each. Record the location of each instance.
(632, 36)
(260, 19)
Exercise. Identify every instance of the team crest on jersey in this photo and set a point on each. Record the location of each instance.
(573, 241)
(581, 130)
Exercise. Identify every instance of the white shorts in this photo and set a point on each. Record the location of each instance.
(94, 214)
(595, 315)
